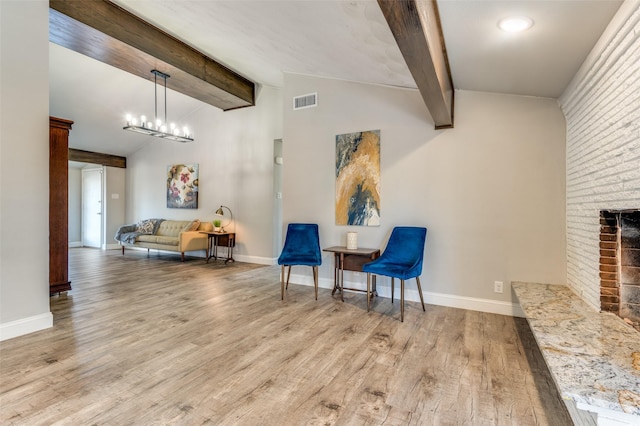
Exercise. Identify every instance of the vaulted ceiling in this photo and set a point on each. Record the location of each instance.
(349, 40)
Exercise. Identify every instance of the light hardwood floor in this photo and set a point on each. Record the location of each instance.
(151, 341)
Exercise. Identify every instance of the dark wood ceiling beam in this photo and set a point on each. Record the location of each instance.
(97, 158)
(415, 24)
(106, 32)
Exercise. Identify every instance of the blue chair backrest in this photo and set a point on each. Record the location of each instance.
(406, 246)
(302, 242)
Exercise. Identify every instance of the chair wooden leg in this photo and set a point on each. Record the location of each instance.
(420, 293)
(392, 285)
(401, 300)
(315, 280)
(288, 275)
(368, 291)
(282, 284)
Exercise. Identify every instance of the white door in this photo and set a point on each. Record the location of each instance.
(92, 210)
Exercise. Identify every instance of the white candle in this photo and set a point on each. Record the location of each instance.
(352, 240)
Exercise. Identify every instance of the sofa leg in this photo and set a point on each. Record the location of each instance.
(123, 250)
(182, 256)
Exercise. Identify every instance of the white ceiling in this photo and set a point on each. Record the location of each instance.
(348, 40)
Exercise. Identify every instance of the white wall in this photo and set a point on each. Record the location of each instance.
(234, 150)
(490, 191)
(602, 106)
(24, 167)
(114, 203)
(75, 206)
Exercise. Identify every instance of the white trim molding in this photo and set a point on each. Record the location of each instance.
(24, 326)
(411, 295)
(255, 259)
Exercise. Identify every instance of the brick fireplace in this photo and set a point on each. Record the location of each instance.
(620, 264)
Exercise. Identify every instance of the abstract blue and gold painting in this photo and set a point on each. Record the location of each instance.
(358, 178)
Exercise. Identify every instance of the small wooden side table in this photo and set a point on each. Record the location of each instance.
(350, 260)
(220, 239)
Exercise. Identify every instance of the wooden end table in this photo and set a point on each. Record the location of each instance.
(220, 239)
(350, 260)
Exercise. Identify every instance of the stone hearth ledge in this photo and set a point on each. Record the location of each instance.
(594, 357)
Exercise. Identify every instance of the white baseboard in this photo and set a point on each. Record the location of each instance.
(202, 253)
(471, 303)
(73, 244)
(440, 299)
(24, 326)
(255, 259)
(192, 253)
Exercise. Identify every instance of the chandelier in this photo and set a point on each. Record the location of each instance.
(157, 127)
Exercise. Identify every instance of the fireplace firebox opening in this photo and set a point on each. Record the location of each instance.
(620, 264)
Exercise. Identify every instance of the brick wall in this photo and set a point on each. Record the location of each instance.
(602, 110)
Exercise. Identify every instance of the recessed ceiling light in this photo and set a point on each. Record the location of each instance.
(515, 24)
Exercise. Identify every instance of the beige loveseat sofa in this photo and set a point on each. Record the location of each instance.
(170, 235)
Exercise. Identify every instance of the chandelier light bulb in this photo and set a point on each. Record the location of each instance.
(143, 119)
(515, 24)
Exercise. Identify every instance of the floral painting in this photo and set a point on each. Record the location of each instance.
(358, 178)
(182, 186)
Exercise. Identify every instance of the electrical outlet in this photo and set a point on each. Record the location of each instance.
(497, 286)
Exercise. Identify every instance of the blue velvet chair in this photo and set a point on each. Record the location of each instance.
(301, 247)
(402, 259)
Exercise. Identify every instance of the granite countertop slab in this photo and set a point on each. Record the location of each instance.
(593, 357)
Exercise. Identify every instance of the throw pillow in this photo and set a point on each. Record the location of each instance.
(145, 226)
(192, 226)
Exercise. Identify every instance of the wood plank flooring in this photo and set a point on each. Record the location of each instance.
(149, 340)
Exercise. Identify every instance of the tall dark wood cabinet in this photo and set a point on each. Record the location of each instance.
(59, 205)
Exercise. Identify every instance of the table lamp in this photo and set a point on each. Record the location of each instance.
(220, 212)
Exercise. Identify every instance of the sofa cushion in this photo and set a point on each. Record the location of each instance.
(146, 238)
(172, 228)
(193, 226)
(157, 239)
(169, 241)
(145, 226)
(205, 226)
